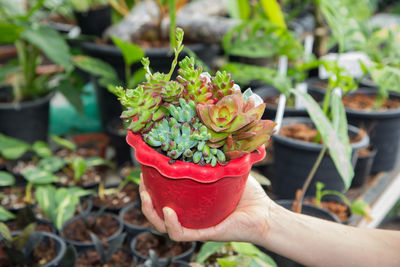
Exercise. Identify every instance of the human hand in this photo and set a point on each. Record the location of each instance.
(247, 223)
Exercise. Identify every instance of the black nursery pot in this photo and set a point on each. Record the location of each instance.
(28, 121)
(383, 128)
(294, 159)
(270, 111)
(95, 21)
(307, 210)
(118, 141)
(363, 168)
(132, 230)
(185, 257)
(83, 246)
(59, 246)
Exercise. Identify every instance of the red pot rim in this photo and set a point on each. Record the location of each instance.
(186, 170)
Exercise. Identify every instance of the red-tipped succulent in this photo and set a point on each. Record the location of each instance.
(235, 125)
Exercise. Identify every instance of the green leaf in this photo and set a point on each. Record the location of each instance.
(360, 207)
(37, 176)
(45, 196)
(274, 12)
(132, 53)
(12, 148)
(6, 179)
(7, 69)
(80, 192)
(95, 66)
(66, 205)
(5, 215)
(98, 161)
(134, 176)
(64, 142)
(42, 149)
(138, 77)
(71, 92)
(239, 9)
(233, 261)
(208, 249)
(23, 237)
(52, 165)
(51, 43)
(245, 248)
(79, 166)
(9, 32)
(338, 150)
(5, 232)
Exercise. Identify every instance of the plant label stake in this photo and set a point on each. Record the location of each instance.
(282, 67)
(303, 87)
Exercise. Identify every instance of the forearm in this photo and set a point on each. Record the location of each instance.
(316, 242)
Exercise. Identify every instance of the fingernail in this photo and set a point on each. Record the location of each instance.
(167, 211)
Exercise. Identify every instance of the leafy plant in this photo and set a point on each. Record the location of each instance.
(5, 215)
(194, 116)
(29, 80)
(19, 248)
(356, 207)
(59, 204)
(234, 254)
(12, 148)
(34, 177)
(105, 253)
(133, 177)
(6, 179)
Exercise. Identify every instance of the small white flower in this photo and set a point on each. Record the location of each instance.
(207, 75)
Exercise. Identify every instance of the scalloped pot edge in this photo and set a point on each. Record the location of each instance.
(146, 155)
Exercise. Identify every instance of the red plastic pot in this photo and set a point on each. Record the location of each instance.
(202, 196)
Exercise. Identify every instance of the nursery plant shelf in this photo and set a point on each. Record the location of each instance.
(381, 192)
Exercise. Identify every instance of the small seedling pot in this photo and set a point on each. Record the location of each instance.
(202, 196)
(59, 246)
(185, 256)
(132, 230)
(83, 246)
(94, 22)
(363, 168)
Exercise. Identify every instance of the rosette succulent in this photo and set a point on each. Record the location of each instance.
(235, 125)
(197, 118)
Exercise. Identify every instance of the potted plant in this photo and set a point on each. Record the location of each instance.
(196, 125)
(58, 205)
(307, 140)
(92, 16)
(232, 254)
(26, 85)
(134, 220)
(30, 247)
(143, 243)
(24, 217)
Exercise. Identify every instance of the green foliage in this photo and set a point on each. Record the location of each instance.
(41, 149)
(106, 253)
(244, 254)
(59, 204)
(12, 148)
(5, 215)
(64, 142)
(239, 9)
(273, 11)
(6, 179)
(333, 132)
(19, 248)
(356, 207)
(261, 39)
(132, 53)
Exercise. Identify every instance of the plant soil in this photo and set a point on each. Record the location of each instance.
(119, 199)
(307, 133)
(13, 197)
(91, 258)
(339, 209)
(361, 101)
(78, 231)
(91, 177)
(13, 225)
(43, 253)
(135, 217)
(161, 245)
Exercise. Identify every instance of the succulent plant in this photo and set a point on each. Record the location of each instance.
(143, 107)
(197, 87)
(184, 136)
(235, 125)
(222, 85)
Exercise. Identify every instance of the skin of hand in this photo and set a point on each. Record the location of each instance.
(249, 219)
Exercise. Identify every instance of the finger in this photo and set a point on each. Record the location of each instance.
(150, 213)
(142, 187)
(178, 233)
